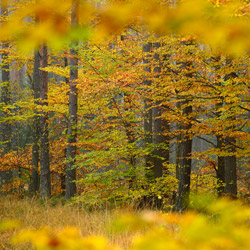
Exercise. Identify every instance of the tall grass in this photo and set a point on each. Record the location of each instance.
(36, 213)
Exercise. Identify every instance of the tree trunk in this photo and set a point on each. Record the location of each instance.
(6, 176)
(45, 184)
(6, 100)
(230, 160)
(185, 147)
(63, 174)
(230, 169)
(177, 167)
(72, 125)
(148, 115)
(34, 184)
(161, 142)
(154, 125)
(220, 171)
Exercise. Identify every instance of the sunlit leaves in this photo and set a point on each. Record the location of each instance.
(68, 238)
(9, 225)
(222, 24)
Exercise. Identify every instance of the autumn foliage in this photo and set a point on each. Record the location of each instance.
(198, 61)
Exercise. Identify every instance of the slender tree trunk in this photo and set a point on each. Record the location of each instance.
(6, 100)
(161, 143)
(185, 147)
(63, 174)
(72, 125)
(148, 116)
(6, 176)
(230, 169)
(45, 183)
(148, 124)
(177, 168)
(154, 125)
(220, 171)
(230, 160)
(161, 126)
(34, 184)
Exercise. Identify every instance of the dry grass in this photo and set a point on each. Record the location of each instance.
(35, 213)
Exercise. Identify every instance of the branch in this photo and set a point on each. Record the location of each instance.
(204, 139)
(244, 108)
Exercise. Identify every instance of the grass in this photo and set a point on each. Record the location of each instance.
(36, 213)
(211, 224)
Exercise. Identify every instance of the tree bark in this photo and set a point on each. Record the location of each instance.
(148, 115)
(154, 125)
(185, 145)
(5, 176)
(6, 100)
(230, 169)
(185, 151)
(161, 142)
(230, 160)
(220, 171)
(34, 184)
(72, 125)
(45, 183)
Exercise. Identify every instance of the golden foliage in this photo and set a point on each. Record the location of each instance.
(222, 24)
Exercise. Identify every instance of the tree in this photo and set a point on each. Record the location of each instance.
(34, 185)
(230, 143)
(109, 109)
(5, 100)
(148, 116)
(155, 126)
(161, 125)
(45, 183)
(185, 150)
(185, 143)
(73, 96)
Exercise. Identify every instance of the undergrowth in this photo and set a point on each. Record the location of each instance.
(45, 225)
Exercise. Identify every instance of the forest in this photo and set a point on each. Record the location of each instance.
(124, 124)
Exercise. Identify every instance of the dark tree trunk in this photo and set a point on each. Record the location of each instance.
(148, 115)
(63, 174)
(220, 171)
(154, 125)
(185, 147)
(5, 176)
(161, 126)
(72, 125)
(177, 168)
(161, 143)
(34, 184)
(230, 169)
(6, 100)
(45, 183)
(230, 160)
(185, 143)
(148, 124)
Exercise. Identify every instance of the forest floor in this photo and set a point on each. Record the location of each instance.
(36, 213)
(209, 219)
